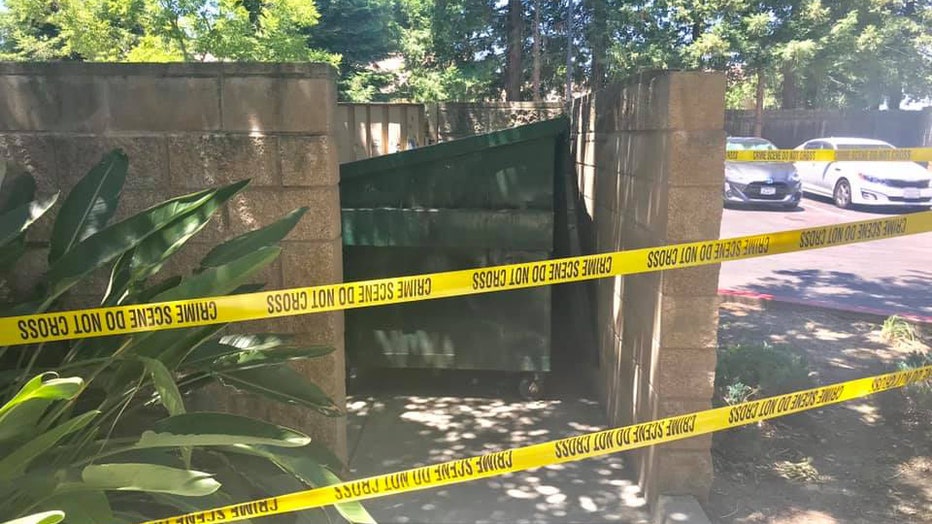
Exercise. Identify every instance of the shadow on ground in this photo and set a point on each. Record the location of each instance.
(411, 418)
(906, 293)
(864, 461)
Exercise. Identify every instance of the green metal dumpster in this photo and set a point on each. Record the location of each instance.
(479, 201)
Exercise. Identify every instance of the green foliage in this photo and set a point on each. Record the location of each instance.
(98, 429)
(814, 53)
(920, 391)
(746, 371)
(897, 330)
(159, 30)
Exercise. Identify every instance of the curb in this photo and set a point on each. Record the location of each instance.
(755, 298)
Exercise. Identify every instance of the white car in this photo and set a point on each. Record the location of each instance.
(864, 183)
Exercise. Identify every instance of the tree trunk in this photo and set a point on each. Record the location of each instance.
(790, 88)
(568, 95)
(894, 97)
(515, 43)
(598, 41)
(535, 74)
(759, 105)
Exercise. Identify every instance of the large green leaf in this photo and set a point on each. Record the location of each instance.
(43, 387)
(223, 279)
(171, 347)
(283, 384)
(15, 463)
(351, 511)
(217, 356)
(146, 259)
(149, 478)
(90, 205)
(104, 246)
(16, 220)
(231, 344)
(218, 429)
(145, 295)
(83, 507)
(312, 465)
(253, 476)
(22, 420)
(46, 517)
(250, 359)
(253, 240)
(164, 383)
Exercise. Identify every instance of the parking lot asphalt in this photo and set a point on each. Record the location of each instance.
(892, 275)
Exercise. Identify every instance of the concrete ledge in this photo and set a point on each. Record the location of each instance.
(185, 69)
(677, 509)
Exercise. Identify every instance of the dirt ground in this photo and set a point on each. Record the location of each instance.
(865, 461)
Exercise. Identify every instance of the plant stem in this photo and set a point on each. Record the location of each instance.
(88, 433)
(48, 421)
(73, 351)
(27, 373)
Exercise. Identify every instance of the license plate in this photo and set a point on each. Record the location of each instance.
(911, 193)
(771, 191)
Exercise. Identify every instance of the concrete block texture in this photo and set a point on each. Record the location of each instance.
(209, 160)
(268, 104)
(36, 154)
(187, 127)
(256, 207)
(77, 154)
(99, 97)
(689, 321)
(53, 103)
(697, 158)
(678, 509)
(681, 472)
(137, 102)
(655, 178)
(697, 101)
(308, 161)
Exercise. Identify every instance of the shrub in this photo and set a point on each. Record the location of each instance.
(920, 391)
(898, 331)
(96, 430)
(744, 372)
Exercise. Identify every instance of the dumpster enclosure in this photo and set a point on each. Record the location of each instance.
(479, 201)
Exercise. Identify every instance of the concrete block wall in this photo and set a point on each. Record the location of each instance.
(649, 162)
(187, 127)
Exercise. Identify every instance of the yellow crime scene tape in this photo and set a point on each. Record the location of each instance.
(917, 154)
(137, 318)
(569, 449)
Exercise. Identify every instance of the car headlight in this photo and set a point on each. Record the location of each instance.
(871, 179)
(794, 177)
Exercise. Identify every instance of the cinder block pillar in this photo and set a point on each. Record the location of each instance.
(685, 338)
(650, 164)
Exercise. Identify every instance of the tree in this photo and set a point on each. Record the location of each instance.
(361, 32)
(159, 30)
(513, 70)
(535, 54)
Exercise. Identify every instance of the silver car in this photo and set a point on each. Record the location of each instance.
(760, 183)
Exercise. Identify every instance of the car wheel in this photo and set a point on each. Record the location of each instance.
(842, 194)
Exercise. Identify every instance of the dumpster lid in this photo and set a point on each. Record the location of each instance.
(454, 148)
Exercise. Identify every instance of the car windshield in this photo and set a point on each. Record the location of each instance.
(864, 146)
(750, 145)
